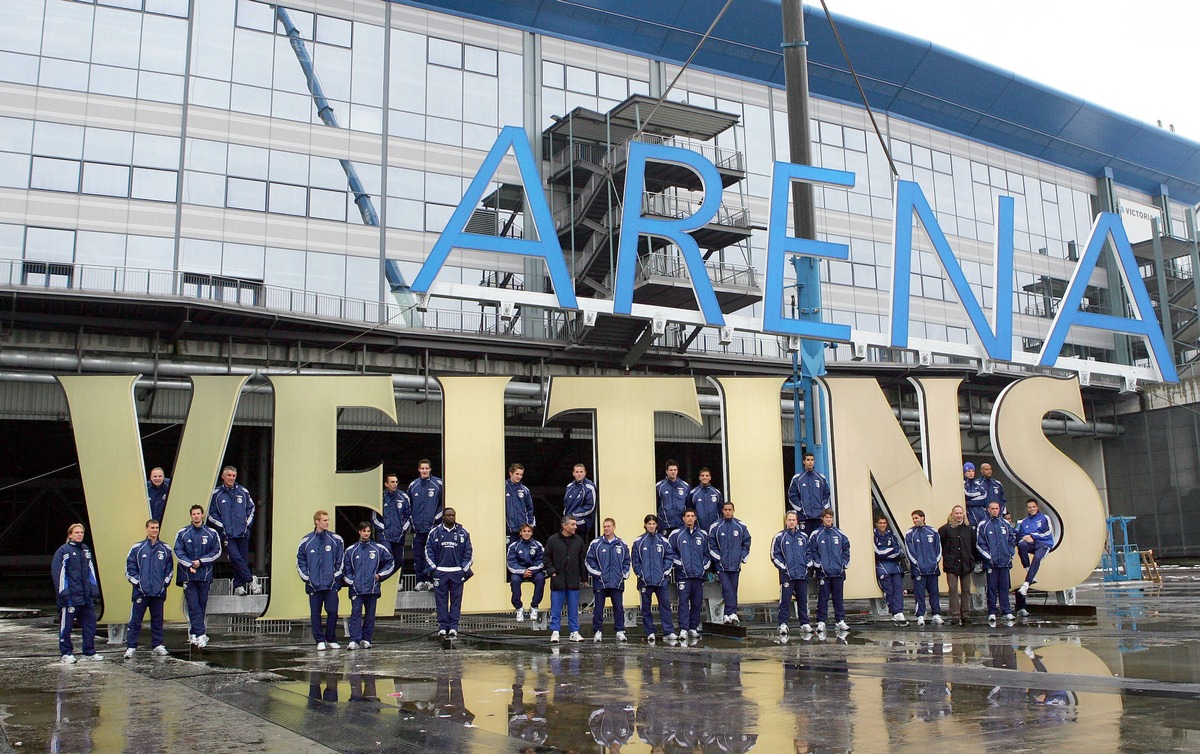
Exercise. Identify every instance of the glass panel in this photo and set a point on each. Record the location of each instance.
(54, 175)
(105, 180)
(204, 188)
(206, 155)
(200, 256)
(362, 278)
(70, 26)
(333, 31)
(105, 145)
(149, 252)
(160, 87)
(58, 140)
(248, 162)
(16, 135)
(12, 241)
(243, 261)
(20, 69)
(106, 249)
(14, 170)
(284, 268)
(156, 185)
(169, 7)
(327, 205)
(21, 27)
(155, 151)
(443, 97)
(50, 245)
(288, 200)
(325, 172)
(445, 52)
(326, 273)
(481, 60)
(63, 74)
(116, 37)
(244, 194)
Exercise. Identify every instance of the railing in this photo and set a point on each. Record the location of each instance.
(722, 157)
(675, 206)
(577, 151)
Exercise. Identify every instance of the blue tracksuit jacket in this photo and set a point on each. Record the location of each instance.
(579, 500)
(425, 495)
(518, 506)
(363, 562)
(887, 553)
(789, 553)
(397, 516)
(707, 502)
(995, 491)
(150, 567)
(525, 556)
(320, 558)
(449, 552)
(608, 560)
(924, 547)
(196, 543)
(231, 511)
(808, 494)
(729, 544)
(672, 502)
(157, 498)
(74, 575)
(1038, 527)
(996, 541)
(975, 495)
(829, 551)
(653, 558)
(691, 552)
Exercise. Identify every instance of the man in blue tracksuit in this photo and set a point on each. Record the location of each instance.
(993, 487)
(789, 553)
(526, 560)
(197, 547)
(809, 496)
(518, 503)
(729, 548)
(449, 553)
(706, 500)
(365, 565)
(76, 591)
(320, 559)
(996, 542)
(692, 559)
(608, 560)
(157, 487)
(924, 547)
(425, 493)
(393, 526)
(231, 513)
(653, 559)
(975, 495)
(149, 567)
(579, 500)
(829, 554)
(1034, 540)
(672, 495)
(888, 556)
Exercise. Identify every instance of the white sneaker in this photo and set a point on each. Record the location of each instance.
(429, 586)
(735, 620)
(352, 645)
(575, 636)
(805, 628)
(937, 620)
(597, 637)
(334, 645)
(399, 585)
(726, 619)
(920, 620)
(841, 626)
(553, 637)
(991, 619)
(694, 633)
(650, 639)
(240, 591)
(129, 653)
(202, 641)
(365, 644)
(452, 633)
(820, 627)
(322, 646)
(1023, 613)
(255, 586)
(1024, 588)
(160, 651)
(191, 638)
(1030, 653)
(94, 658)
(783, 628)
(520, 615)
(419, 586)
(1009, 617)
(621, 636)
(533, 615)
(442, 633)
(899, 618)
(672, 638)
(68, 660)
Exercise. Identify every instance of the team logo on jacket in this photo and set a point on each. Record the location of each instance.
(160, 556)
(928, 537)
(521, 493)
(679, 491)
(372, 555)
(203, 540)
(430, 493)
(328, 548)
(735, 532)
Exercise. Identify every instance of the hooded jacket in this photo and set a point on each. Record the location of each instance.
(397, 516)
(449, 552)
(425, 497)
(74, 574)
(729, 544)
(579, 499)
(996, 542)
(194, 543)
(707, 502)
(888, 553)
(525, 556)
(319, 559)
(231, 511)
(363, 562)
(672, 502)
(653, 559)
(808, 493)
(789, 553)
(156, 497)
(150, 567)
(829, 551)
(609, 561)
(518, 506)
(924, 550)
(691, 548)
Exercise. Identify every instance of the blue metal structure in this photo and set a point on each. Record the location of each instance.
(1121, 562)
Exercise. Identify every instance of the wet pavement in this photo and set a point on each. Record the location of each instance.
(1125, 680)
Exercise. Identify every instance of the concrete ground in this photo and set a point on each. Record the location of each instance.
(1126, 680)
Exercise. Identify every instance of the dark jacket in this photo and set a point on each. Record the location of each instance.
(958, 548)
(565, 564)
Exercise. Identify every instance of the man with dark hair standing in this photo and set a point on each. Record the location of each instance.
(425, 496)
(652, 562)
(231, 513)
(320, 559)
(729, 547)
(993, 487)
(76, 591)
(450, 555)
(692, 559)
(829, 553)
(706, 500)
(197, 547)
(996, 541)
(395, 523)
(566, 556)
(672, 495)
(157, 487)
(888, 557)
(809, 495)
(149, 567)
(608, 560)
(518, 503)
(925, 553)
(579, 501)
(789, 553)
(365, 565)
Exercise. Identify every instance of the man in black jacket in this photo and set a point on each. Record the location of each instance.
(565, 555)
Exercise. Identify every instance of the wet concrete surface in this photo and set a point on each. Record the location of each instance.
(1126, 680)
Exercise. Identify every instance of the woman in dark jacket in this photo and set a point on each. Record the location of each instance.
(958, 559)
(565, 565)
